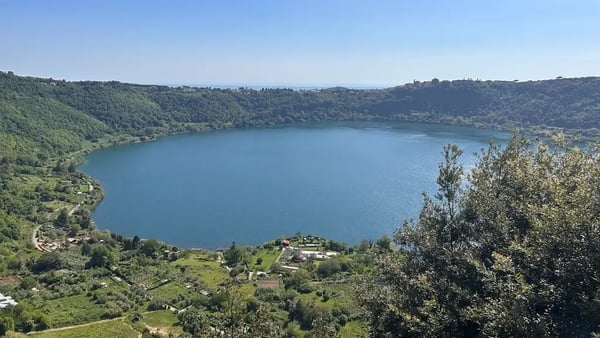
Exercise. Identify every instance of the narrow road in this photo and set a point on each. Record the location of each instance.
(90, 186)
(283, 249)
(72, 211)
(76, 207)
(34, 238)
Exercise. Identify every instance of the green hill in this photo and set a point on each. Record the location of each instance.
(45, 116)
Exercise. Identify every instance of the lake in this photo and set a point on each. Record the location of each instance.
(346, 181)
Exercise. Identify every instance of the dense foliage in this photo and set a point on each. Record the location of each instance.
(512, 253)
(45, 116)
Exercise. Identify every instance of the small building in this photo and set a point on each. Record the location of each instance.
(6, 301)
(319, 255)
(285, 242)
(261, 274)
(299, 257)
(170, 255)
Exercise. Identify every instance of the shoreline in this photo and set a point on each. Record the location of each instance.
(78, 157)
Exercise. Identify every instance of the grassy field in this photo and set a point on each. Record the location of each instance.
(353, 329)
(170, 291)
(210, 271)
(165, 322)
(340, 296)
(56, 204)
(268, 258)
(72, 310)
(160, 318)
(113, 328)
(330, 304)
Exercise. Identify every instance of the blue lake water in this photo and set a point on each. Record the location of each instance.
(345, 181)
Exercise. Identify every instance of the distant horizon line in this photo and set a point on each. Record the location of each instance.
(267, 85)
(309, 86)
(290, 85)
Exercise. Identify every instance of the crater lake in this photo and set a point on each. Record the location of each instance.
(346, 181)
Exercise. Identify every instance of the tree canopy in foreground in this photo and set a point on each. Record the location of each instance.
(507, 249)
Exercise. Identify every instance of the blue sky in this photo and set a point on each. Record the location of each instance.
(300, 42)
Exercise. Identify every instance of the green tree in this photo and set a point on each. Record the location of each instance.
(384, 243)
(74, 229)
(336, 246)
(62, 220)
(233, 255)
(194, 321)
(328, 268)
(299, 280)
(14, 263)
(101, 256)
(59, 168)
(86, 249)
(85, 219)
(48, 261)
(262, 324)
(41, 322)
(323, 327)
(364, 246)
(512, 255)
(151, 247)
(28, 282)
(6, 324)
(135, 243)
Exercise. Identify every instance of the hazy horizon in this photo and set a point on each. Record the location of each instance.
(308, 43)
(294, 86)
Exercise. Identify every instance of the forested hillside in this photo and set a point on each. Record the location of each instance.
(45, 116)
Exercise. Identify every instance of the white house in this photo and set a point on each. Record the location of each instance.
(6, 301)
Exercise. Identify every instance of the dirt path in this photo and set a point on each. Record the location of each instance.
(75, 208)
(34, 235)
(34, 239)
(280, 254)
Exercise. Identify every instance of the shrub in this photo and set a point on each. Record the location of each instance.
(329, 268)
(156, 304)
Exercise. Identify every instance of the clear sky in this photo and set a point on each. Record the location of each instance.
(301, 42)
